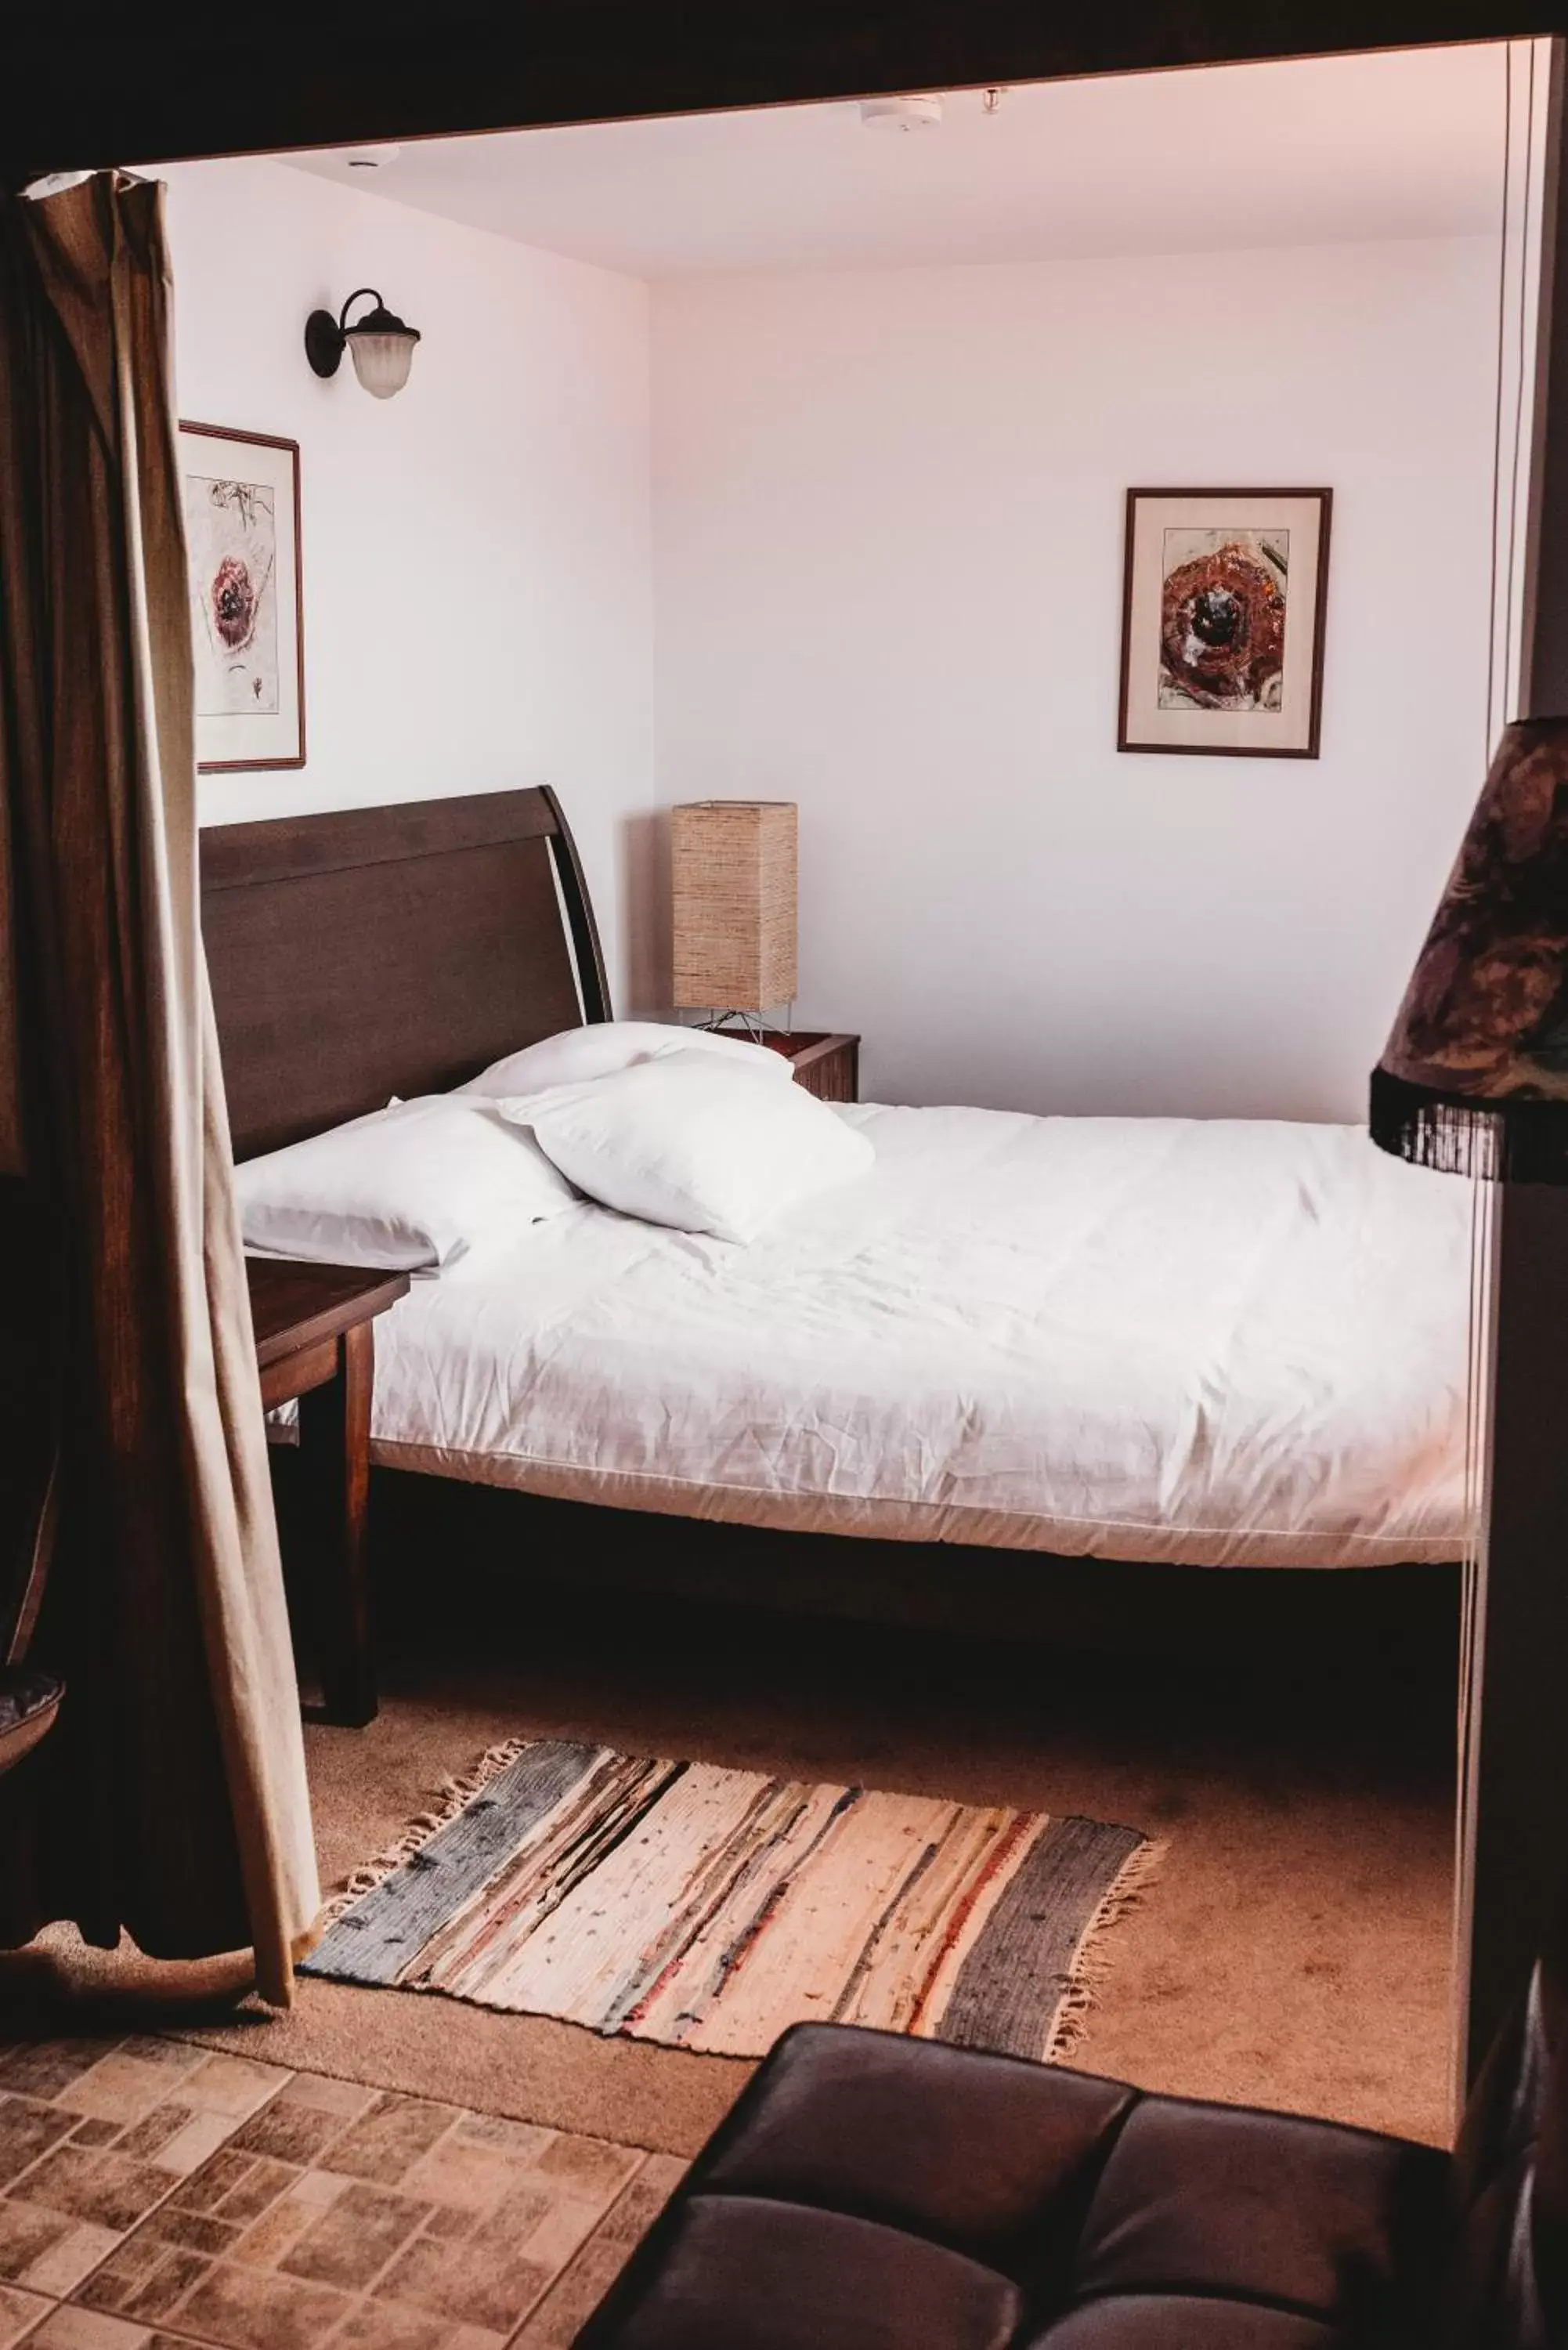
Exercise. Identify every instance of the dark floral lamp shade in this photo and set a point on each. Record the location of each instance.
(1474, 1079)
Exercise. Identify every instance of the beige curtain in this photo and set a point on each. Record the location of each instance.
(171, 1802)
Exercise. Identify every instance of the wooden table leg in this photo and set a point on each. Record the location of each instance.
(335, 1461)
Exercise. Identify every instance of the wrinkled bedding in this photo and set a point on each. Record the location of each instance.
(1218, 1343)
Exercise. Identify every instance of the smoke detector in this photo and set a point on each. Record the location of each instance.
(901, 113)
(370, 159)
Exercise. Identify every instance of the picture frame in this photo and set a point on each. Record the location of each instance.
(1224, 607)
(240, 494)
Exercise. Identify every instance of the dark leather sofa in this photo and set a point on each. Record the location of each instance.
(870, 2192)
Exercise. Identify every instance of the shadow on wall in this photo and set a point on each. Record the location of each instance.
(645, 912)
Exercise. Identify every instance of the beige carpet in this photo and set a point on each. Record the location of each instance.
(1294, 1950)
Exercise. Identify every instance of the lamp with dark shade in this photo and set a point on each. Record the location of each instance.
(1474, 1078)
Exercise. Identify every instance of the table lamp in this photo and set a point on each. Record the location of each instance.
(732, 877)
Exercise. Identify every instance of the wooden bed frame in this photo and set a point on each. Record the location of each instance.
(398, 950)
(372, 952)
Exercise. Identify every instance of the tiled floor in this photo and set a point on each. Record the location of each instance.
(153, 2197)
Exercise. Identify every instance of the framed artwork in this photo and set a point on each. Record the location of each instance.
(1222, 623)
(240, 497)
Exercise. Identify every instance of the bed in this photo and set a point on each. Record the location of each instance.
(1212, 1344)
(1176, 1343)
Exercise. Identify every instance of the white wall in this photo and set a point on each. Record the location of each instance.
(888, 550)
(885, 549)
(477, 556)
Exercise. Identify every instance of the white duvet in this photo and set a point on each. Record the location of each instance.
(1222, 1343)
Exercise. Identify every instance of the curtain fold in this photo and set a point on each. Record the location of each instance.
(171, 1802)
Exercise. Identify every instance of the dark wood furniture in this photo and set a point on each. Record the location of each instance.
(355, 955)
(826, 1065)
(381, 951)
(400, 949)
(1514, 1813)
(315, 1344)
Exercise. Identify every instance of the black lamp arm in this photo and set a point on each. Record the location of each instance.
(358, 290)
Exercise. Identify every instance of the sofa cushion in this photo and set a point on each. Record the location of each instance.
(737, 2269)
(1335, 2223)
(1157, 2320)
(992, 2155)
(874, 2192)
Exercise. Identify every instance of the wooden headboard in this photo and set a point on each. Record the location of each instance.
(372, 951)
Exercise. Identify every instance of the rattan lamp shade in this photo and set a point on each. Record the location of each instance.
(733, 882)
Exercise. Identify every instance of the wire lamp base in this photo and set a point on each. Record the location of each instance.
(747, 1024)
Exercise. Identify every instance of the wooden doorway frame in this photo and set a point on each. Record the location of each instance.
(1513, 1792)
(91, 87)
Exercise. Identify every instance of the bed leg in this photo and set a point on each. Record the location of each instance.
(334, 1462)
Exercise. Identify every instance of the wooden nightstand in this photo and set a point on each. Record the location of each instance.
(315, 1342)
(827, 1065)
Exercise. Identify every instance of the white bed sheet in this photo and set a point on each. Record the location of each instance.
(1219, 1342)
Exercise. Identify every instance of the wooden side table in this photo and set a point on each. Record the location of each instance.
(314, 1343)
(826, 1065)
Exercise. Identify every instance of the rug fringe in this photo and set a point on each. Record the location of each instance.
(1092, 1964)
(452, 1797)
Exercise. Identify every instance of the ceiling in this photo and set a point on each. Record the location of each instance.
(1324, 151)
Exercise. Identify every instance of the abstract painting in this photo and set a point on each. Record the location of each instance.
(240, 497)
(1223, 622)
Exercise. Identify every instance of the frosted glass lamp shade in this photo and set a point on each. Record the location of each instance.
(733, 884)
(382, 362)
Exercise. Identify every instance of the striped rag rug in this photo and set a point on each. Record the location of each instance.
(707, 1909)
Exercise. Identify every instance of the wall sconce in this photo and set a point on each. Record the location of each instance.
(383, 346)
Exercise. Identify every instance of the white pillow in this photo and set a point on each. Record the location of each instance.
(409, 1188)
(684, 1139)
(606, 1047)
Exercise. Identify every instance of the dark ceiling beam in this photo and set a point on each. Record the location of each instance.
(88, 85)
